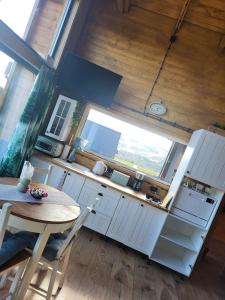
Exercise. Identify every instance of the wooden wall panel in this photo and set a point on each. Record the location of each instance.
(44, 25)
(192, 83)
(205, 13)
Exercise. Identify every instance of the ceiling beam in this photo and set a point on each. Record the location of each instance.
(222, 42)
(123, 5)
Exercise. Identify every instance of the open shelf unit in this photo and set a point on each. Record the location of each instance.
(174, 257)
(183, 234)
(179, 239)
(181, 219)
(179, 244)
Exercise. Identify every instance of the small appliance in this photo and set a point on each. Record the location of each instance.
(193, 206)
(49, 146)
(119, 178)
(99, 168)
(137, 181)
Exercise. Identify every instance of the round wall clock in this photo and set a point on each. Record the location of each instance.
(157, 108)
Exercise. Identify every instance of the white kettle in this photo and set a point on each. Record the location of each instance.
(99, 168)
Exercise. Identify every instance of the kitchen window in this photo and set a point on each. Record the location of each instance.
(15, 14)
(126, 144)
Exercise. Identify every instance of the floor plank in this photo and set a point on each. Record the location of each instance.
(101, 269)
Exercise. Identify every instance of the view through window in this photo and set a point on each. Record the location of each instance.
(16, 15)
(125, 143)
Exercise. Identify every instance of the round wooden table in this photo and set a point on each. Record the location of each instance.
(44, 219)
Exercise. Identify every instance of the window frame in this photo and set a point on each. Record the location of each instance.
(129, 120)
(19, 50)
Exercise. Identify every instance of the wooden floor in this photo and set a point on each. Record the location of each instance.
(101, 270)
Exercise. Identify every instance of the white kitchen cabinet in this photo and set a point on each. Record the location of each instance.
(179, 244)
(122, 223)
(207, 163)
(136, 225)
(73, 184)
(97, 221)
(57, 177)
(174, 257)
(69, 182)
(101, 216)
(106, 204)
(60, 123)
(192, 212)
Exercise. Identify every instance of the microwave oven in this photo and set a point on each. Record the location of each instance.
(49, 146)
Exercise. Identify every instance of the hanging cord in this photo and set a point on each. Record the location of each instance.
(158, 74)
(173, 38)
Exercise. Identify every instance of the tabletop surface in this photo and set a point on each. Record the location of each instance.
(44, 213)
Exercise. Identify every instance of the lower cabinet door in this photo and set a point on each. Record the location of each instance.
(136, 225)
(97, 222)
(73, 185)
(147, 228)
(123, 220)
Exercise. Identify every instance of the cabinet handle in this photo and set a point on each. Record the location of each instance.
(142, 205)
(68, 174)
(64, 172)
(93, 212)
(202, 236)
(188, 172)
(100, 194)
(123, 197)
(104, 186)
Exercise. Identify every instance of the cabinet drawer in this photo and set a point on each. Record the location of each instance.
(106, 204)
(97, 222)
(102, 188)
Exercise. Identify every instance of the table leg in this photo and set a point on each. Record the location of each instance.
(32, 264)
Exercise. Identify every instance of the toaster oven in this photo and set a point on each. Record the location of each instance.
(49, 146)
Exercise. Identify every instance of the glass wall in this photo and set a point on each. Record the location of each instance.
(35, 21)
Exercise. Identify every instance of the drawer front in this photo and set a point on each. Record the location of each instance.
(106, 204)
(102, 188)
(97, 222)
(188, 217)
(195, 203)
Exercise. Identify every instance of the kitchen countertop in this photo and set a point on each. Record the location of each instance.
(83, 171)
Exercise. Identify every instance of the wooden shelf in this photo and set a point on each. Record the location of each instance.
(179, 239)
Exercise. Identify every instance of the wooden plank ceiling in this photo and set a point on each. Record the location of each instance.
(133, 44)
(205, 13)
